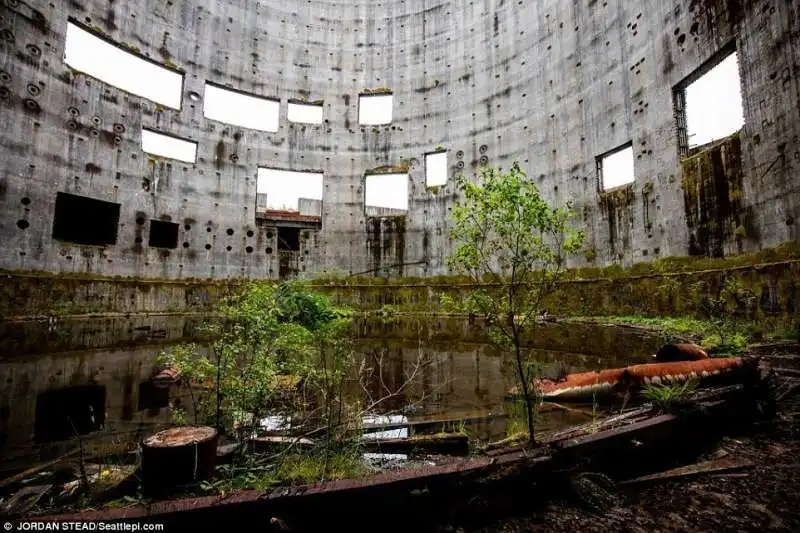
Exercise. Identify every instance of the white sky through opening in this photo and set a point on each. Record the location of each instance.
(386, 190)
(284, 188)
(304, 113)
(92, 55)
(617, 168)
(714, 103)
(243, 110)
(436, 169)
(375, 110)
(167, 146)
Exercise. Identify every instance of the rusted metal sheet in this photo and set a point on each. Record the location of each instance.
(166, 378)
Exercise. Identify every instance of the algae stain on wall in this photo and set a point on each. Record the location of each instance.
(713, 195)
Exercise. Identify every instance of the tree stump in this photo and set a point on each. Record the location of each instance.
(178, 456)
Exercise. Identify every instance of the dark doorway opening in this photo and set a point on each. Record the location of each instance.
(289, 239)
(62, 414)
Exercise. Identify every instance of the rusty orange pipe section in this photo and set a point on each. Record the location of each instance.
(584, 385)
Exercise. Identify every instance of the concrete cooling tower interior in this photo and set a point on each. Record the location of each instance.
(274, 139)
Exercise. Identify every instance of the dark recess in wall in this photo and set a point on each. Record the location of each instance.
(152, 398)
(289, 239)
(163, 234)
(62, 414)
(84, 220)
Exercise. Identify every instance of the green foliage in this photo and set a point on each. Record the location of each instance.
(506, 233)
(667, 397)
(268, 332)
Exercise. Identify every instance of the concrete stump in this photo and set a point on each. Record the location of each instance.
(178, 456)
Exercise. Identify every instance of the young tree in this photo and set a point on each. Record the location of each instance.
(508, 235)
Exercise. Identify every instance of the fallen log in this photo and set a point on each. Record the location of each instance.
(444, 444)
(708, 467)
(178, 456)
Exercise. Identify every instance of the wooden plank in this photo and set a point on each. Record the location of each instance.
(450, 444)
(727, 464)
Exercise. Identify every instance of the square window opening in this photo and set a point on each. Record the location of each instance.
(375, 109)
(387, 191)
(84, 220)
(152, 398)
(62, 414)
(287, 190)
(169, 146)
(241, 109)
(97, 57)
(289, 239)
(616, 168)
(708, 103)
(436, 169)
(304, 113)
(163, 234)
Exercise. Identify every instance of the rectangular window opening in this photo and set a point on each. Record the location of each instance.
(615, 168)
(83, 220)
(171, 147)
(436, 169)
(289, 239)
(287, 190)
(708, 103)
(98, 58)
(305, 113)
(241, 109)
(386, 191)
(375, 109)
(62, 414)
(163, 234)
(152, 398)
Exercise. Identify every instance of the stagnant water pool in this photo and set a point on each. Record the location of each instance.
(55, 374)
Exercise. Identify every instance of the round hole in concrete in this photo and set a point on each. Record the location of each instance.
(249, 249)
(25, 201)
(208, 246)
(229, 248)
(250, 233)
(186, 245)
(23, 224)
(229, 231)
(269, 250)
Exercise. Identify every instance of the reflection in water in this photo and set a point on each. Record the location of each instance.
(105, 394)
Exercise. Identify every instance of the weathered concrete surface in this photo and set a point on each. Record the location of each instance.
(549, 83)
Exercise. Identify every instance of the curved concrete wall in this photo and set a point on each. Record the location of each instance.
(549, 83)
